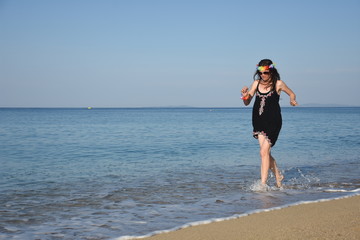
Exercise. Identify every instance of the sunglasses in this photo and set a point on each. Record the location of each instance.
(265, 73)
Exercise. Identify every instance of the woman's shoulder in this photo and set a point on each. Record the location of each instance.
(279, 82)
(280, 85)
(256, 82)
(253, 87)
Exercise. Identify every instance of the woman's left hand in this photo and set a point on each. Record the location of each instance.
(293, 102)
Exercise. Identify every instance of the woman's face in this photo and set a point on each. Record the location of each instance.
(265, 75)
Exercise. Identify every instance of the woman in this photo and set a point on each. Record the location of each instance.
(266, 116)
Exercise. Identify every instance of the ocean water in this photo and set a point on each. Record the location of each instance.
(110, 173)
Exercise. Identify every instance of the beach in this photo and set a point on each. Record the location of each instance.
(333, 219)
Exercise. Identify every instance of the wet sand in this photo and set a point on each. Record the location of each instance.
(334, 219)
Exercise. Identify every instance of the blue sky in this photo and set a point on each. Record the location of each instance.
(155, 53)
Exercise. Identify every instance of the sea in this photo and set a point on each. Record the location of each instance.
(117, 173)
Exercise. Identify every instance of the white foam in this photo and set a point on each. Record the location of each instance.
(236, 216)
(342, 190)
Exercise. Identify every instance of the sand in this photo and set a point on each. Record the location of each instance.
(334, 219)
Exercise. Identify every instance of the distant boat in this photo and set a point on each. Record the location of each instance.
(89, 108)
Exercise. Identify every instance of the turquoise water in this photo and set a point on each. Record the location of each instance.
(107, 173)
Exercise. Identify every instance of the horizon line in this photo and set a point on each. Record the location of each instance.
(186, 107)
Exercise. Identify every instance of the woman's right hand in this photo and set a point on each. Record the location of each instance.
(245, 92)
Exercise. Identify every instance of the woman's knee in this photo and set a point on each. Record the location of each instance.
(264, 152)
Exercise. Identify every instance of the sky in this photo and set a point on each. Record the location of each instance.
(171, 53)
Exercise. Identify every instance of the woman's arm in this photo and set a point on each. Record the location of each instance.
(248, 95)
(281, 86)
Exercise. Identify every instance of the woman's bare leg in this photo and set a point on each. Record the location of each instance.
(268, 162)
(265, 148)
(274, 168)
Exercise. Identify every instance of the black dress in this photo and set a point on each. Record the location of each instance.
(266, 118)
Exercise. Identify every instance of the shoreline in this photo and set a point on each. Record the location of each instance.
(335, 218)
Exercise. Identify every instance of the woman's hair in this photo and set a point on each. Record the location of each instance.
(274, 75)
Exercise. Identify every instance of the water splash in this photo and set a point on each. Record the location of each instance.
(258, 186)
(300, 178)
